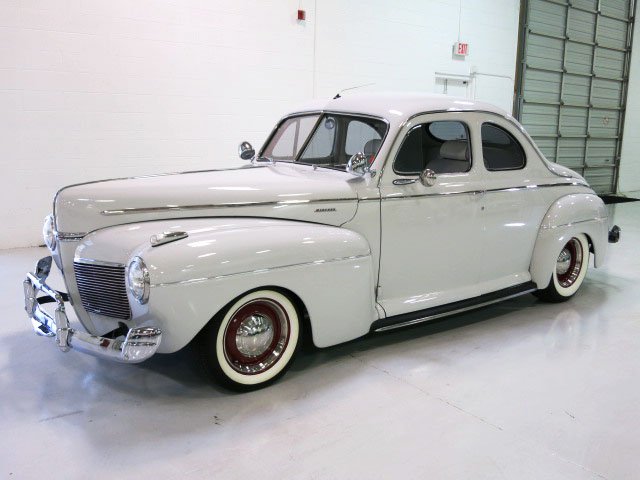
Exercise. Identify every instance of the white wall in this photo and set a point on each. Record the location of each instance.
(629, 175)
(92, 89)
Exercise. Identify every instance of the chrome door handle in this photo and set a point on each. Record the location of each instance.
(404, 181)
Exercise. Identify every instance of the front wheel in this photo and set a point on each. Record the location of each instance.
(252, 343)
(570, 270)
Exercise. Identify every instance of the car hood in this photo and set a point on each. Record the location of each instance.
(287, 191)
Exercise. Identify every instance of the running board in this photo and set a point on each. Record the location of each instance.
(406, 319)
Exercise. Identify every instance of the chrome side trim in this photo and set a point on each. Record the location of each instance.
(70, 236)
(55, 198)
(491, 190)
(262, 270)
(570, 224)
(452, 312)
(169, 208)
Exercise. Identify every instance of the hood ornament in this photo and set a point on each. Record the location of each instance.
(166, 237)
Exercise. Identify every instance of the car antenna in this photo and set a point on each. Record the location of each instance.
(352, 88)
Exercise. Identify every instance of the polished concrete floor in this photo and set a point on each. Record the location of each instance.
(520, 390)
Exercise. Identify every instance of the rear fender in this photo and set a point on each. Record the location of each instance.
(569, 216)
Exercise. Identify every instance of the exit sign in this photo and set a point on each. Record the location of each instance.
(461, 48)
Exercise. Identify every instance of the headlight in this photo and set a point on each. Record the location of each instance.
(49, 232)
(138, 279)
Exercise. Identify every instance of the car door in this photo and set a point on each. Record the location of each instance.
(430, 240)
(510, 207)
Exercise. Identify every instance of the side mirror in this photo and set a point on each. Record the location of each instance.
(358, 164)
(246, 151)
(428, 177)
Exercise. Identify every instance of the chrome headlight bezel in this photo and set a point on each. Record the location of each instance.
(49, 232)
(138, 282)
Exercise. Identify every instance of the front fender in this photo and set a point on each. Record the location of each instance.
(568, 216)
(329, 268)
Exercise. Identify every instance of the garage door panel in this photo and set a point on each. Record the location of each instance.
(600, 151)
(612, 33)
(541, 119)
(571, 152)
(549, 18)
(616, 8)
(545, 52)
(579, 58)
(581, 26)
(573, 121)
(576, 89)
(607, 61)
(606, 92)
(600, 179)
(604, 122)
(543, 86)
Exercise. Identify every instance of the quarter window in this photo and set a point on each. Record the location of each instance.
(440, 146)
(500, 150)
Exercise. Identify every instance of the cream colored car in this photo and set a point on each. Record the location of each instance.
(361, 214)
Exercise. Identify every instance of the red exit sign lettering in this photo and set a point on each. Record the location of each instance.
(461, 48)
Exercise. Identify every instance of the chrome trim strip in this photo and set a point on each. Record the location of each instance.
(571, 224)
(261, 270)
(169, 208)
(491, 190)
(452, 312)
(55, 198)
(98, 262)
(70, 236)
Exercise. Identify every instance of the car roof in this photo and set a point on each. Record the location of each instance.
(396, 106)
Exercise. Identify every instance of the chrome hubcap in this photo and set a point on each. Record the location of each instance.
(564, 262)
(569, 263)
(254, 335)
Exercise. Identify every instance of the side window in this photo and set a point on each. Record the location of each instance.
(500, 150)
(440, 146)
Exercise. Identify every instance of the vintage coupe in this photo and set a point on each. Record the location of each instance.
(360, 214)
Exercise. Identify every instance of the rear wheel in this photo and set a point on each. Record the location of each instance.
(570, 269)
(252, 343)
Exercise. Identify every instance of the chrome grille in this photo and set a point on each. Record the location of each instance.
(103, 289)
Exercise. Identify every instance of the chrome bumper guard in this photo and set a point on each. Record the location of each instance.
(139, 344)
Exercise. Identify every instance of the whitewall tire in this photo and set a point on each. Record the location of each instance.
(252, 342)
(569, 270)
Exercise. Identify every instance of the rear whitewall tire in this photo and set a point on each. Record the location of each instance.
(563, 285)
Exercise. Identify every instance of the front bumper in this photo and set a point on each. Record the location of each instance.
(137, 345)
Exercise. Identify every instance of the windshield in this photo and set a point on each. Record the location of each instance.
(327, 140)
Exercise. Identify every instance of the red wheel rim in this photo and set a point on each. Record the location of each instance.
(569, 263)
(256, 336)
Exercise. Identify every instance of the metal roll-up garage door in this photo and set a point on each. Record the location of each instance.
(572, 82)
